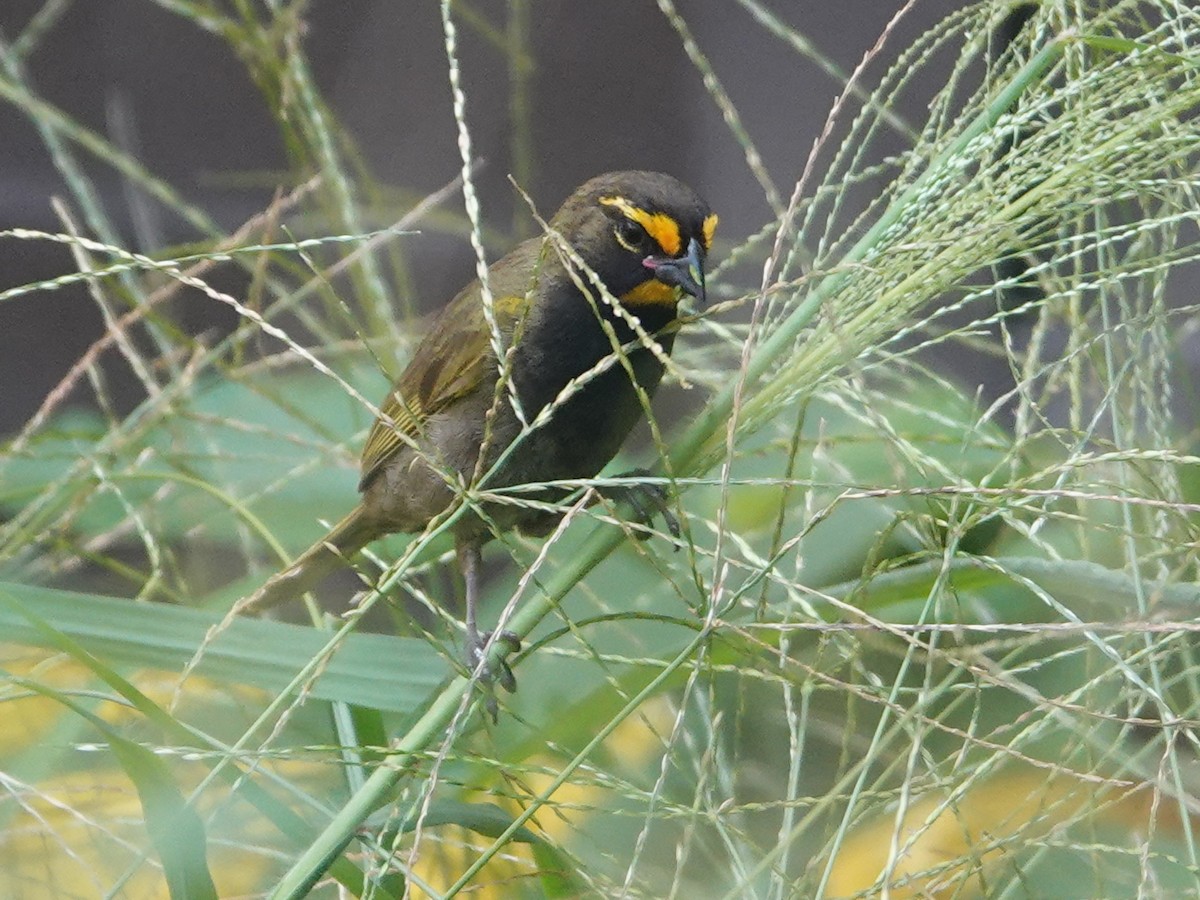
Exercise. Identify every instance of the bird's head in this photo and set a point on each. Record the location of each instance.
(646, 234)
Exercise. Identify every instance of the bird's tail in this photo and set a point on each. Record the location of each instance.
(330, 553)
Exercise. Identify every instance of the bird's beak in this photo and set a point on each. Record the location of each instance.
(686, 272)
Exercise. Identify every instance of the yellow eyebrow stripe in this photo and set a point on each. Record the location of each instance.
(659, 226)
(710, 228)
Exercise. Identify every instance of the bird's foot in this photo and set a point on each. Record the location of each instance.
(646, 500)
(492, 663)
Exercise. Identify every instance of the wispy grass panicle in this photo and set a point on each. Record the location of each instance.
(930, 629)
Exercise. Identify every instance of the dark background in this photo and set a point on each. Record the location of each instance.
(611, 87)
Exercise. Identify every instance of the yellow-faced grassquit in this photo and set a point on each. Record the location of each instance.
(558, 402)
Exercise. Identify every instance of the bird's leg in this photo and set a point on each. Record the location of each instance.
(646, 500)
(468, 563)
(495, 668)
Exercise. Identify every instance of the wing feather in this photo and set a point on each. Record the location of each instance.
(451, 362)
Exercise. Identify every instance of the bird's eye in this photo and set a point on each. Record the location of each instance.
(630, 234)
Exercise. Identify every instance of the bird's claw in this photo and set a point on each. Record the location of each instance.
(493, 667)
(647, 500)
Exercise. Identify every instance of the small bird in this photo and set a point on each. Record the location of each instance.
(450, 418)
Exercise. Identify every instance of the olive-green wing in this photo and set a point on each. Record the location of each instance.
(451, 362)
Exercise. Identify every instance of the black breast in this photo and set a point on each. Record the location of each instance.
(563, 343)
